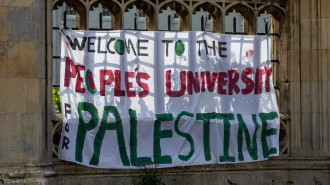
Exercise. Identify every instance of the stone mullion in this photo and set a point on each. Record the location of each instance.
(223, 19)
(323, 72)
(315, 60)
(86, 18)
(151, 21)
(294, 76)
(217, 23)
(47, 142)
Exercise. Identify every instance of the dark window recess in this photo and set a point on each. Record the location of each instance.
(70, 11)
(106, 12)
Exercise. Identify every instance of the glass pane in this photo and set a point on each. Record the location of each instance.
(58, 16)
(56, 71)
(163, 20)
(229, 25)
(197, 21)
(129, 19)
(264, 20)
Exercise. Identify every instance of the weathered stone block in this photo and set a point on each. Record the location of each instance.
(293, 64)
(30, 130)
(23, 59)
(21, 3)
(324, 65)
(3, 60)
(323, 33)
(305, 65)
(13, 95)
(34, 96)
(305, 31)
(305, 13)
(324, 8)
(21, 142)
(5, 27)
(328, 34)
(23, 24)
(306, 97)
(315, 62)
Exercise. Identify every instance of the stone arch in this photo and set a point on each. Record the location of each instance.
(80, 9)
(215, 11)
(182, 10)
(248, 14)
(115, 9)
(149, 8)
(277, 12)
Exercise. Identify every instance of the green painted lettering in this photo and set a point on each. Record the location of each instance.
(185, 135)
(84, 127)
(118, 127)
(267, 132)
(253, 150)
(206, 132)
(158, 134)
(226, 137)
(136, 161)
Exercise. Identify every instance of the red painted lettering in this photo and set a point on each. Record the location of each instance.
(233, 77)
(118, 91)
(144, 86)
(70, 71)
(192, 81)
(222, 82)
(248, 81)
(168, 84)
(211, 81)
(129, 84)
(104, 82)
(80, 79)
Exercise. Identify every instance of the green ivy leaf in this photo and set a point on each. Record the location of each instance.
(57, 99)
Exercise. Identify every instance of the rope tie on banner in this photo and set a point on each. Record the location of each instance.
(62, 30)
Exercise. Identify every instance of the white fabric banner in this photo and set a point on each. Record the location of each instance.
(130, 98)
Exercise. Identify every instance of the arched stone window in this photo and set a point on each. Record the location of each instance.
(79, 9)
(112, 6)
(181, 9)
(168, 20)
(148, 9)
(212, 14)
(246, 11)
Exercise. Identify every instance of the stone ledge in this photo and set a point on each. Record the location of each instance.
(68, 168)
(300, 170)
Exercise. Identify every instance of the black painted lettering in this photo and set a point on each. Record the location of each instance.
(139, 47)
(166, 44)
(76, 43)
(65, 142)
(67, 109)
(108, 46)
(199, 46)
(129, 44)
(222, 49)
(99, 46)
(90, 42)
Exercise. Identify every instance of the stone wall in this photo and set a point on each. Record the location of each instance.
(26, 114)
(22, 82)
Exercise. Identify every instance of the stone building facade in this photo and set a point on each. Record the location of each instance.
(301, 45)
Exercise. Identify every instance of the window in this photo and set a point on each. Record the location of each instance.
(69, 10)
(134, 19)
(106, 12)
